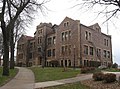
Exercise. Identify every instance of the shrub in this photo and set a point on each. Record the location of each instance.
(87, 69)
(92, 68)
(115, 65)
(119, 80)
(98, 76)
(84, 70)
(54, 63)
(118, 69)
(109, 77)
(109, 65)
(81, 66)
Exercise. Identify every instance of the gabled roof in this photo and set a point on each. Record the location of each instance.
(28, 37)
(25, 37)
(95, 25)
(66, 19)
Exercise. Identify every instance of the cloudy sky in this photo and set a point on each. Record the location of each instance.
(59, 9)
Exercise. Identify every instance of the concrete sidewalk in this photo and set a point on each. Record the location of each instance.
(23, 80)
(41, 85)
(62, 81)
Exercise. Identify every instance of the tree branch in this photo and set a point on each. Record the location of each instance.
(9, 9)
(13, 4)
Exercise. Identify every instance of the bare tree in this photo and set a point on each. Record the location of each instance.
(43, 48)
(10, 10)
(109, 7)
(1, 45)
(19, 29)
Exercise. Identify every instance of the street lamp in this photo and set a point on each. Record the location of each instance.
(74, 56)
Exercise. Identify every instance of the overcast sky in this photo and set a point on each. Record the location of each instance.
(59, 9)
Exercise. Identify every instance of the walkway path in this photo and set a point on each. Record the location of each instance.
(41, 85)
(23, 80)
(62, 81)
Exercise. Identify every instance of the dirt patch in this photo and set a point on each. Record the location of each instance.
(100, 84)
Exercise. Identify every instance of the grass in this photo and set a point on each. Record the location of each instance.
(5, 79)
(113, 70)
(50, 74)
(77, 85)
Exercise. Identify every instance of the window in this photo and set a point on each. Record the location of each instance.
(31, 46)
(69, 49)
(30, 55)
(91, 50)
(69, 63)
(85, 49)
(108, 54)
(49, 41)
(89, 36)
(65, 24)
(104, 53)
(98, 52)
(86, 35)
(61, 62)
(40, 31)
(69, 34)
(49, 53)
(39, 49)
(63, 36)
(34, 44)
(62, 49)
(38, 40)
(105, 42)
(66, 48)
(66, 36)
(20, 47)
(54, 40)
(53, 52)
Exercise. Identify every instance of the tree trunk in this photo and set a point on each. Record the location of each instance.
(12, 50)
(5, 49)
(5, 57)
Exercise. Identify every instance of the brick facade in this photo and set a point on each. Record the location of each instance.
(68, 44)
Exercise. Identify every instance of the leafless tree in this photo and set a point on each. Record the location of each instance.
(10, 11)
(109, 7)
(19, 29)
(1, 45)
(43, 47)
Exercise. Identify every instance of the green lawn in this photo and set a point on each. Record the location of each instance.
(69, 86)
(49, 73)
(112, 70)
(4, 79)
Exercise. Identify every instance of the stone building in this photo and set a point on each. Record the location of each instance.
(69, 44)
(23, 51)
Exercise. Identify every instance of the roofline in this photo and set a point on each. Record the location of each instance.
(93, 29)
